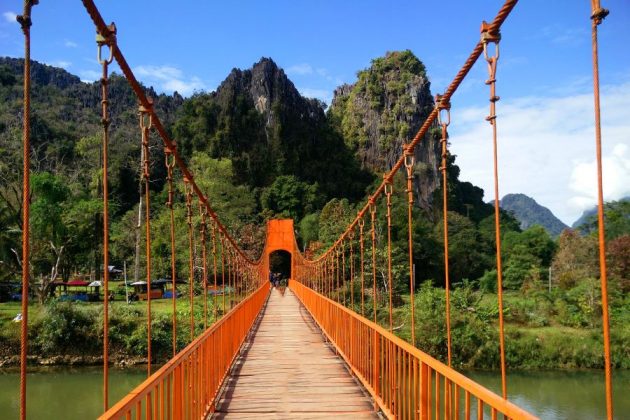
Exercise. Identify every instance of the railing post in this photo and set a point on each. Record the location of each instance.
(424, 391)
(375, 367)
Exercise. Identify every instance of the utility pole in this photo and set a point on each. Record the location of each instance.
(125, 274)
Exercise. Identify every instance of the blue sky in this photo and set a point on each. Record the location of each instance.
(544, 75)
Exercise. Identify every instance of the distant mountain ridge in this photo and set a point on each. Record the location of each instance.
(528, 212)
(589, 213)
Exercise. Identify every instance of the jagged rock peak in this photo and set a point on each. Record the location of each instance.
(266, 83)
(383, 110)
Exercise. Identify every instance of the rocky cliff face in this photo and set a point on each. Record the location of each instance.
(259, 120)
(267, 87)
(382, 111)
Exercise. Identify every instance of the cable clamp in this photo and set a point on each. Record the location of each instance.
(108, 39)
(599, 15)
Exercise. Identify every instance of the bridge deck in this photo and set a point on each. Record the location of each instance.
(287, 371)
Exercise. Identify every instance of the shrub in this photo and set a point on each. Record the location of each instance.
(65, 327)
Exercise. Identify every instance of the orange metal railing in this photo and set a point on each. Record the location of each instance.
(404, 382)
(188, 385)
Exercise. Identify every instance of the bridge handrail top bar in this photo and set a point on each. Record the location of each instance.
(149, 384)
(457, 80)
(472, 387)
(102, 28)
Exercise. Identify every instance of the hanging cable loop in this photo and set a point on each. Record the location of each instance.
(488, 37)
(214, 268)
(145, 127)
(372, 206)
(25, 23)
(388, 194)
(443, 108)
(169, 162)
(597, 16)
(203, 211)
(191, 268)
(109, 40)
(351, 243)
(361, 224)
(409, 167)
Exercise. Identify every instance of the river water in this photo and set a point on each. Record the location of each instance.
(76, 393)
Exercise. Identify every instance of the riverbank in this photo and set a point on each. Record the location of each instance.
(71, 333)
(120, 361)
(543, 330)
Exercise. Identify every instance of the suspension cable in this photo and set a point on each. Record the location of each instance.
(222, 270)
(409, 165)
(388, 195)
(444, 119)
(597, 16)
(374, 291)
(203, 211)
(191, 266)
(214, 267)
(145, 126)
(351, 242)
(361, 224)
(337, 274)
(170, 164)
(489, 36)
(343, 271)
(105, 39)
(25, 23)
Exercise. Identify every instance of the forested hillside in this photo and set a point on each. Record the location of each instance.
(260, 150)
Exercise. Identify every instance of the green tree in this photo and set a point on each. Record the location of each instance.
(521, 265)
(616, 218)
(466, 258)
(289, 197)
(309, 229)
(575, 260)
(334, 219)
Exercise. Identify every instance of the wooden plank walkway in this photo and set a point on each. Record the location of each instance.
(286, 371)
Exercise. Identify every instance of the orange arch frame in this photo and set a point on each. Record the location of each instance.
(280, 237)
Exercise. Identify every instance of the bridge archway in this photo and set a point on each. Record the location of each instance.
(280, 263)
(280, 246)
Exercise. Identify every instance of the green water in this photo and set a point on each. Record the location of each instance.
(75, 393)
(573, 395)
(63, 392)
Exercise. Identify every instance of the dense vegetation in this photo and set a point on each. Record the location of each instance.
(259, 151)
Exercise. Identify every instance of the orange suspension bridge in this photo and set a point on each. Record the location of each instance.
(320, 342)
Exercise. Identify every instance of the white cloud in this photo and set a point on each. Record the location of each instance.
(547, 148)
(299, 69)
(89, 76)
(169, 79)
(70, 44)
(616, 177)
(60, 63)
(10, 17)
(321, 94)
